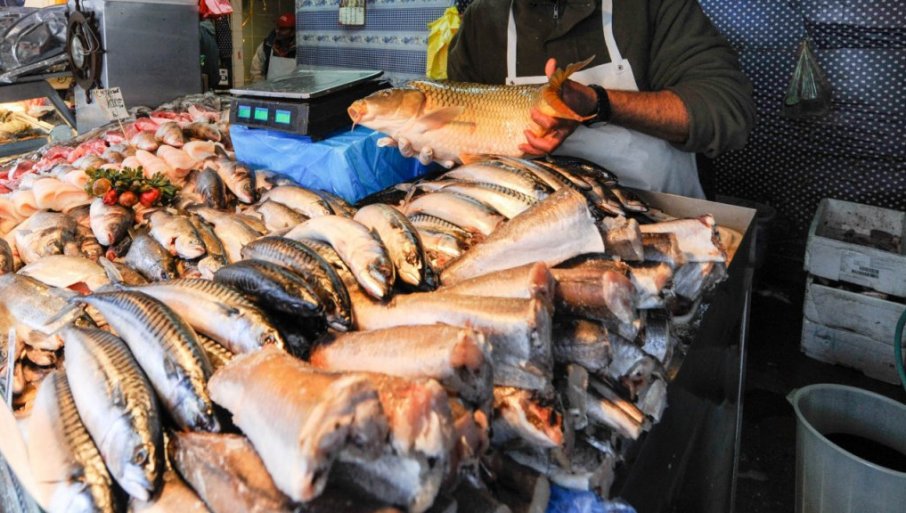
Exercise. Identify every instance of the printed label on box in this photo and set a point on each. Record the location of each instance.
(864, 270)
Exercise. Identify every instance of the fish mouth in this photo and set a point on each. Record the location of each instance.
(357, 112)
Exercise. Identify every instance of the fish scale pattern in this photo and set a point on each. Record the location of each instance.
(858, 151)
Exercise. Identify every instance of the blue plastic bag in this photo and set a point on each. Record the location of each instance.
(348, 163)
(564, 500)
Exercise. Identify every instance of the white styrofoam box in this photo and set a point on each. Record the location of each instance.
(874, 358)
(859, 313)
(853, 263)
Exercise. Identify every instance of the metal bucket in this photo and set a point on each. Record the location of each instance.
(830, 479)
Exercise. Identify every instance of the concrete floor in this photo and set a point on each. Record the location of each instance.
(775, 367)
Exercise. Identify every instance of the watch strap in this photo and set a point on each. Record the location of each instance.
(603, 112)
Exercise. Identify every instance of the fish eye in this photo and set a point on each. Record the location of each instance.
(140, 456)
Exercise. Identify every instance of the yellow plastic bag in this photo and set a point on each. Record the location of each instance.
(441, 32)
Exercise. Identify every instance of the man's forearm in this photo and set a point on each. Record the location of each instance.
(661, 114)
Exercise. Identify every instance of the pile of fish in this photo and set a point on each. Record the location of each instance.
(258, 346)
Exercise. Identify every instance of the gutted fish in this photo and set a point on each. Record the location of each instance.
(552, 231)
(36, 310)
(167, 350)
(117, 405)
(582, 342)
(359, 248)
(278, 216)
(457, 357)
(401, 241)
(526, 281)
(597, 293)
(46, 233)
(297, 418)
(518, 416)
(697, 238)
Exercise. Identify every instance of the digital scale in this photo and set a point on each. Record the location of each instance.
(306, 102)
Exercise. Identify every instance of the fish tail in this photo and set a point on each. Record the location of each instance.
(551, 92)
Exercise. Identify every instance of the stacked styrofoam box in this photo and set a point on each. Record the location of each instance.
(850, 328)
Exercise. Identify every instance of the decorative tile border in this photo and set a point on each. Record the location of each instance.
(315, 5)
(365, 39)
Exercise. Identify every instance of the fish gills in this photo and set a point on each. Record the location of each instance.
(299, 419)
(118, 407)
(457, 357)
(167, 350)
(552, 231)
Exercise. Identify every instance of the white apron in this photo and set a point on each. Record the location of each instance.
(638, 159)
(280, 66)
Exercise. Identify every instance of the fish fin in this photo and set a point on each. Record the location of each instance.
(551, 92)
(471, 158)
(438, 118)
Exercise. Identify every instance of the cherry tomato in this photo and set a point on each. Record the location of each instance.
(110, 197)
(149, 197)
(128, 199)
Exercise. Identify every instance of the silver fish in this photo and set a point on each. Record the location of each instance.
(652, 283)
(66, 464)
(526, 281)
(576, 181)
(508, 202)
(170, 134)
(405, 480)
(278, 216)
(698, 238)
(176, 233)
(232, 232)
(46, 233)
(168, 351)
(436, 224)
(658, 341)
(215, 254)
(596, 293)
(552, 231)
(694, 279)
(502, 175)
(238, 178)
(299, 430)
(663, 247)
(109, 223)
(150, 259)
(340, 206)
(550, 178)
(303, 260)
(299, 199)
(118, 407)
(518, 330)
(462, 211)
(217, 311)
(401, 241)
(622, 238)
(31, 306)
(457, 357)
(440, 248)
(227, 473)
(607, 408)
(203, 131)
(217, 354)
(145, 140)
(630, 365)
(121, 273)
(273, 288)
(582, 342)
(210, 187)
(357, 246)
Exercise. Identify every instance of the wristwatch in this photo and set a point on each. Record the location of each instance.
(602, 114)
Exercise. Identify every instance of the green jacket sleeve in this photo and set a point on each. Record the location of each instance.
(692, 59)
(460, 55)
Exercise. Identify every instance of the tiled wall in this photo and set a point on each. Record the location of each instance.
(394, 38)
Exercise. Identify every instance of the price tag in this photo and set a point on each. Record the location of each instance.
(111, 101)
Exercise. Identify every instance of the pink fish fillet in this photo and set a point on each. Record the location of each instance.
(178, 159)
(153, 164)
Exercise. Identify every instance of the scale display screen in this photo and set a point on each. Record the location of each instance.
(244, 111)
(284, 117)
(261, 113)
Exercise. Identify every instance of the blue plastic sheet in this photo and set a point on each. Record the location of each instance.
(348, 163)
(564, 500)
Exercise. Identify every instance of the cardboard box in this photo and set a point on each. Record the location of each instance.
(829, 256)
(861, 314)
